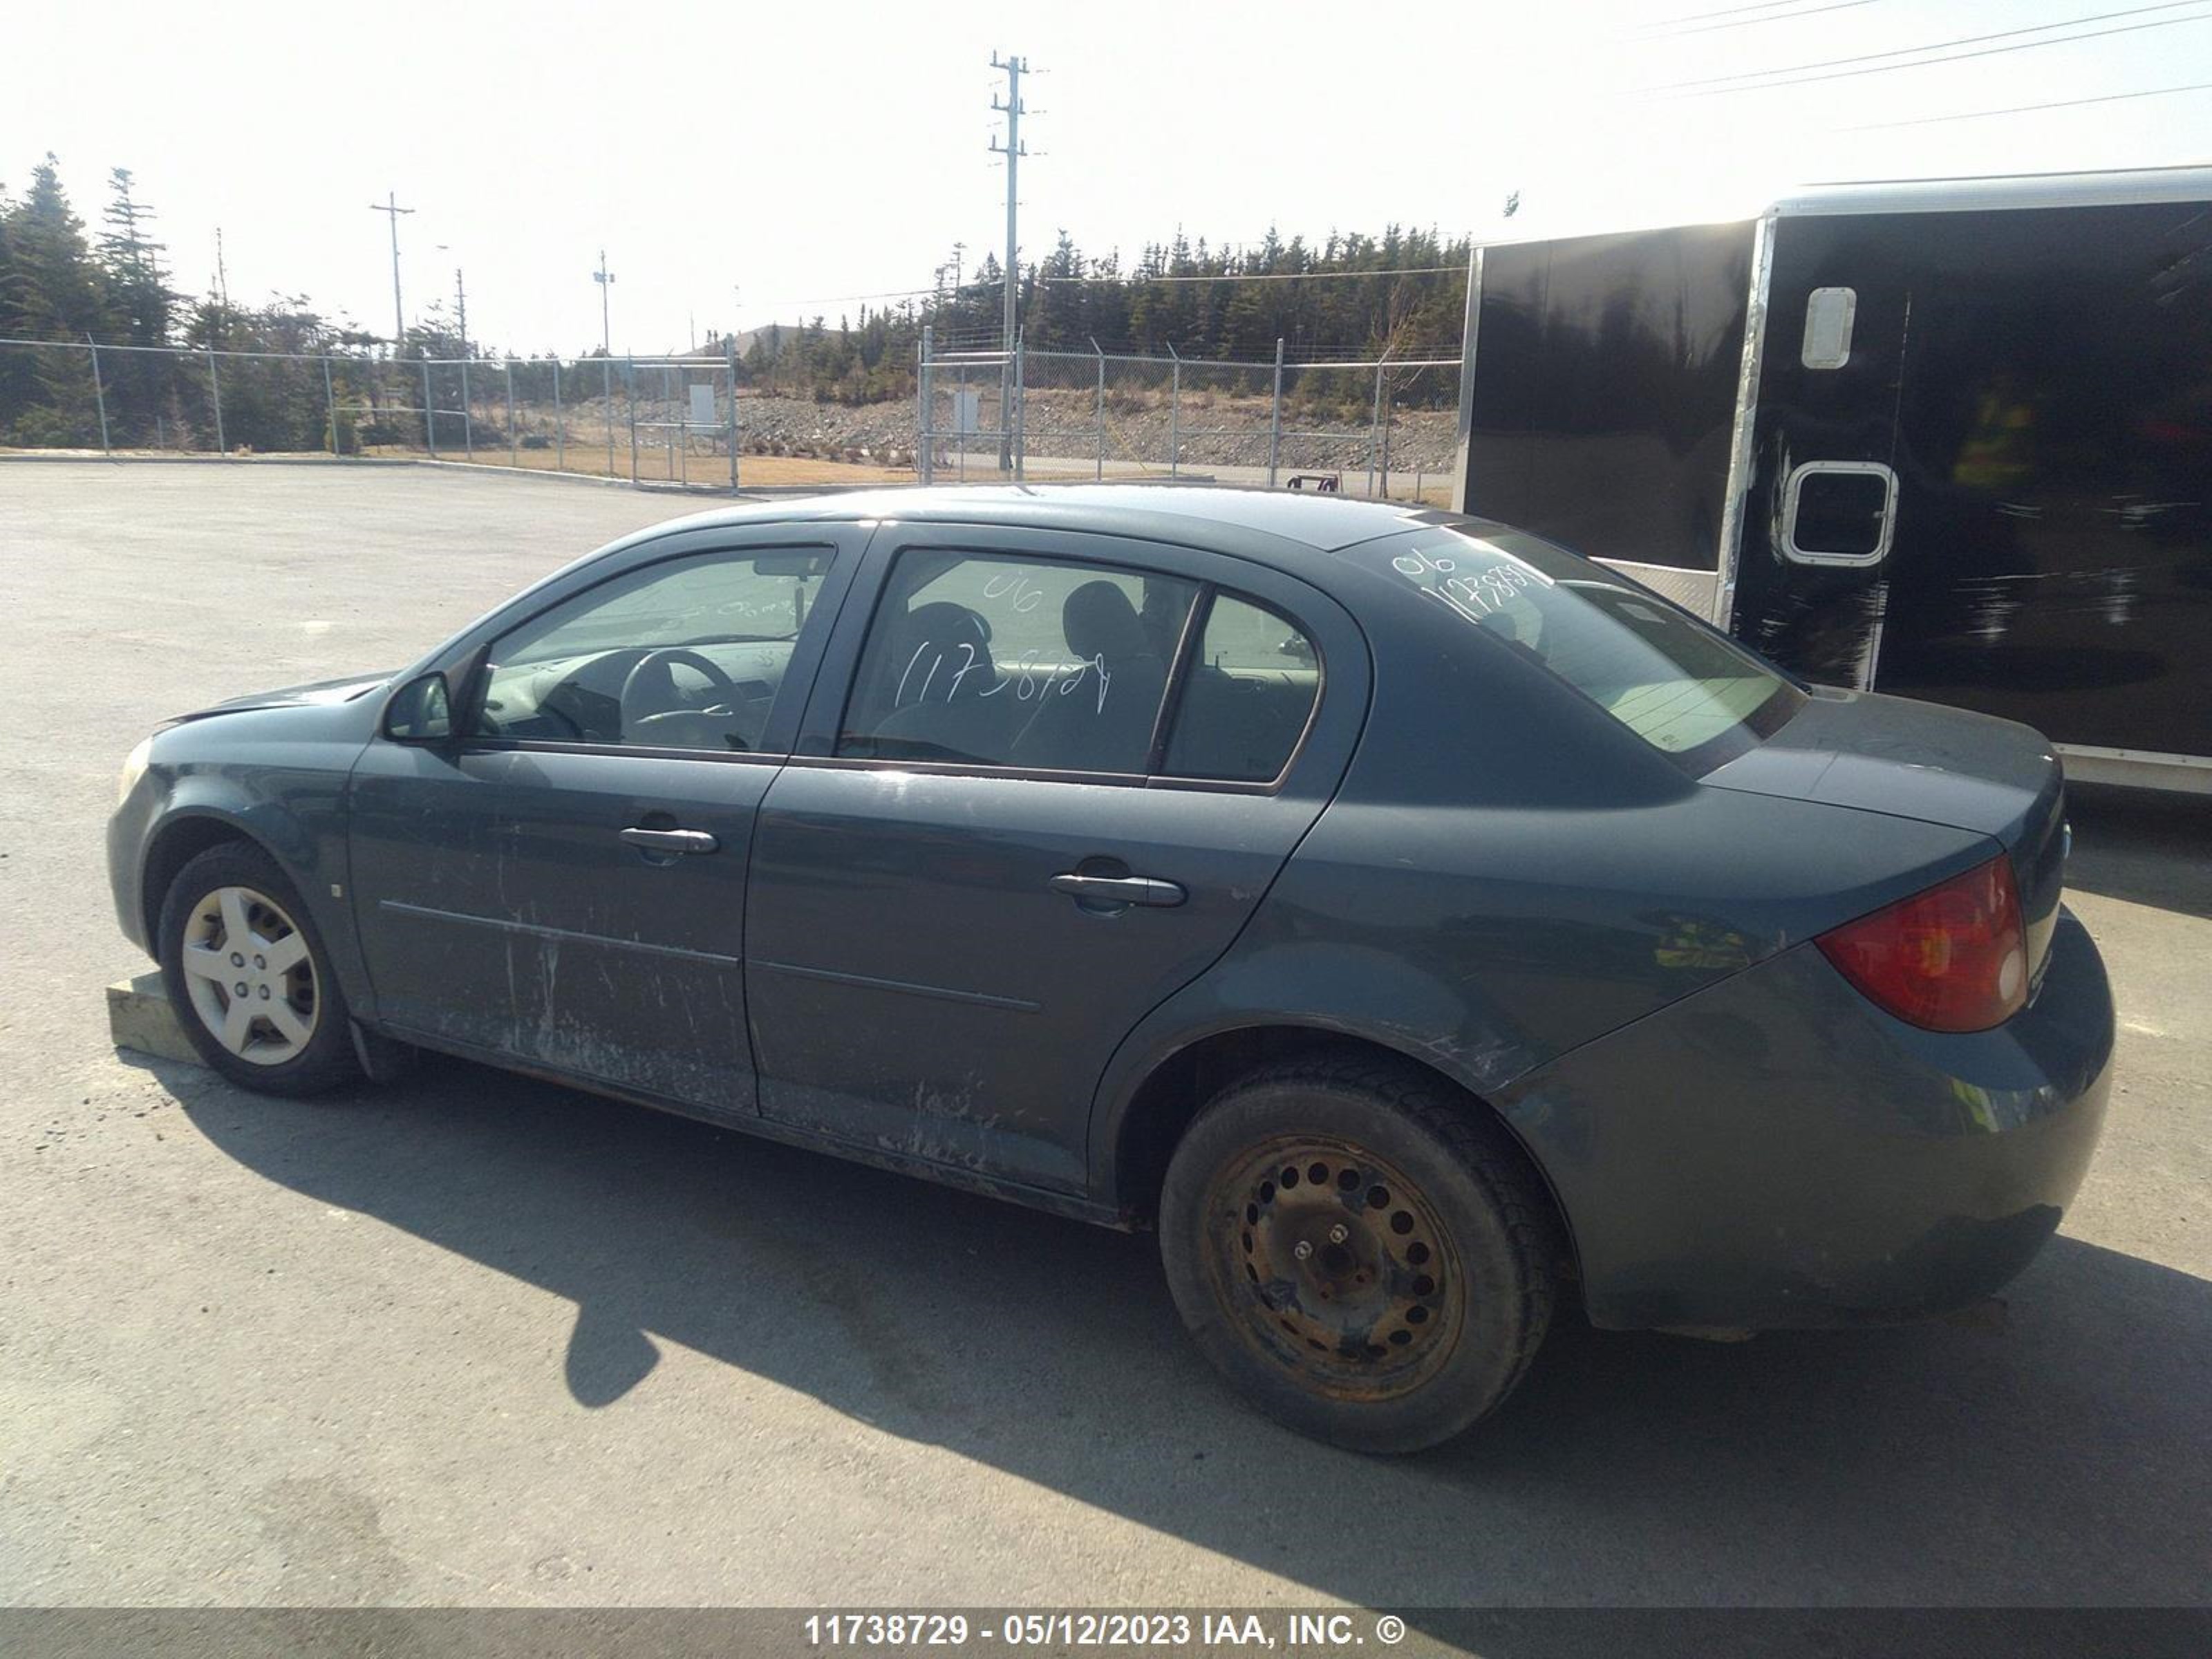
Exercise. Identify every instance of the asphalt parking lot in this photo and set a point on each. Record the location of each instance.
(475, 1339)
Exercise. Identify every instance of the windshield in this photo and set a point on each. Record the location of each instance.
(1687, 691)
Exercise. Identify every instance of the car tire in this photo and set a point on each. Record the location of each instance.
(249, 977)
(1360, 1250)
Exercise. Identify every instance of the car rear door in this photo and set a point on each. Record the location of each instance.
(980, 871)
(562, 886)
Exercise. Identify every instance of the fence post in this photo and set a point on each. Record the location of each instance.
(1386, 454)
(1175, 413)
(1021, 404)
(607, 376)
(560, 423)
(331, 407)
(1275, 417)
(924, 440)
(99, 392)
(1374, 426)
(215, 388)
(514, 441)
(429, 413)
(1099, 418)
(730, 350)
(682, 387)
(468, 422)
(629, 398)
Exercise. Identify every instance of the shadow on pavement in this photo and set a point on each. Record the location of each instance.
(2059, 1461)
(2147, 848)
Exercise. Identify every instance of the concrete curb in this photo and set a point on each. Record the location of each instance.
(140, 1019)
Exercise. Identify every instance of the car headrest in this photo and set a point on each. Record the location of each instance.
(947, 627)
(1100, 621)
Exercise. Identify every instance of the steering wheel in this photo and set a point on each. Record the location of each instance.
(649, 693)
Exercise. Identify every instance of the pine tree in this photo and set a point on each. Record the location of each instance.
(55, 293)
(141, 385)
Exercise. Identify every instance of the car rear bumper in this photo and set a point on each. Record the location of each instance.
(1776, 1151)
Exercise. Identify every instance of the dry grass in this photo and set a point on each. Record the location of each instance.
(657, 465)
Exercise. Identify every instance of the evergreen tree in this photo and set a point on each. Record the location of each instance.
(55, 293)
(141, 385)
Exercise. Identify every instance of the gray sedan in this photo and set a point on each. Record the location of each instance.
(1417, 924)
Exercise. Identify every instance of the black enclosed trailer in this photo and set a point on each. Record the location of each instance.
(1951, 439)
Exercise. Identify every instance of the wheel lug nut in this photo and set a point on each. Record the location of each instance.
(1302, 1249)
(261, 963)
(264, 993)
(1339, 1233)
(241, 987)
(236, 960)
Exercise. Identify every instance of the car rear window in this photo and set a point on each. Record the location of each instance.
(1685, 689)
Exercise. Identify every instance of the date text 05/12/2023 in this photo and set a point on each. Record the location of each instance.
(1179, 1629)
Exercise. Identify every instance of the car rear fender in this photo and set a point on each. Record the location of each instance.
(1285, 988)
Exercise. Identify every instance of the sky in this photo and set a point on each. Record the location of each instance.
(743, 164)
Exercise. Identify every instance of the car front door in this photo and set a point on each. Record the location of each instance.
(561, 885)
(1044, 779)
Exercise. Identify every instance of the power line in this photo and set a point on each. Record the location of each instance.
(1654, 32)
(1721, 82)
(1725, 11)
(840, 299)
(1956, 58)
(2027, 109)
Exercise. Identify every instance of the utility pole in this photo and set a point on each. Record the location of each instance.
(460, 303)
(607, 330)
(607, 363)
(1013, 151)
(390, 207)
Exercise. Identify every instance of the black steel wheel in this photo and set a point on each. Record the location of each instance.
(1360, 1250)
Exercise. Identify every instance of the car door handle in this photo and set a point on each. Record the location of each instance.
(671, 841)
(1119, 890)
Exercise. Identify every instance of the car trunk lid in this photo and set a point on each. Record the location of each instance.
(1915, 760)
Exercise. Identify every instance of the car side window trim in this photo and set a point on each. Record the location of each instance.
(1187, 646)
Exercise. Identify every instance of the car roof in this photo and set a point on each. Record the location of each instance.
(1164, 512)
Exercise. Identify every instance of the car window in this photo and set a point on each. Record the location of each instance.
(1002, 660)
(1685, 689)
(1251, 691)
(688, 653)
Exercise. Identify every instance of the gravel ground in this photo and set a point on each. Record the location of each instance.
(477, 1340)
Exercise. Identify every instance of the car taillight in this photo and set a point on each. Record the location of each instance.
(1953, 958)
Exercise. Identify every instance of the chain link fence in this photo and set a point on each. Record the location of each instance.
(1383, 428)
(1380, 428)
(649, 419)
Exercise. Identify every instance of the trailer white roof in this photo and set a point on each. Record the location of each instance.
(2019, 190)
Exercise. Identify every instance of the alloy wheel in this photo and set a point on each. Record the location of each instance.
(250, 975)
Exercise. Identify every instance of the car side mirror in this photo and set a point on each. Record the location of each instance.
(420, 711)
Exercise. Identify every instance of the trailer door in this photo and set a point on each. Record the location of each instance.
(1820, 523)
(2052, 559)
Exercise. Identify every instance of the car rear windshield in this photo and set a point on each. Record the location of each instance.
(1688, 692)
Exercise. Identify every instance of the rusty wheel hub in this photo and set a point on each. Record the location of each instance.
(1338, 1266)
